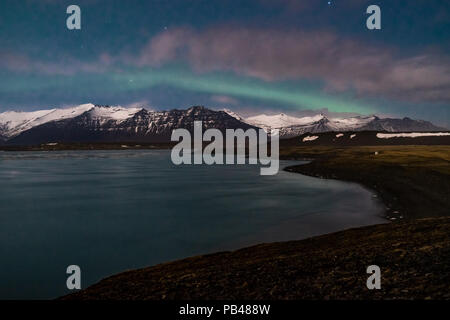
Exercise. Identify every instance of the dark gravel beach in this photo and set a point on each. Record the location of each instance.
(414, 258)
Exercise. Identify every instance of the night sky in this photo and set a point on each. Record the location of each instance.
(250, 56)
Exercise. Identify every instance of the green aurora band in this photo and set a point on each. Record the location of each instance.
(86, 84)
(245, 88)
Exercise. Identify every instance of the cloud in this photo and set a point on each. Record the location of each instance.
(224, 100)
(340, 64)
(273, 55)
(68, 65)
(14, 62)
(139, 104)
(296, 6)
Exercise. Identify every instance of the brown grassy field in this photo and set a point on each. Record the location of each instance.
(413, 181)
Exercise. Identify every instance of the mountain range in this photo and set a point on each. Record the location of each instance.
(95, 123)
(293, 126)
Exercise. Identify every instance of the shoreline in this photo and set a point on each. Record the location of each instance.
(411, 181)
(88, 146)
(375, 193)
(414, 257)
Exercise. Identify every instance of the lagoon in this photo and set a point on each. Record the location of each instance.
(109, 211)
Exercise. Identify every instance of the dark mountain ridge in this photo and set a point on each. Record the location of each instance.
(143, 126)
(104, 124)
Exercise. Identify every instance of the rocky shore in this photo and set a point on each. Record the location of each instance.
(414, 258)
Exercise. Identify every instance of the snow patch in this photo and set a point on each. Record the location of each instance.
(351, 123)
(280, 121)
(233, 114)
(115, 113)
(310, 138)
(352, 136)
(411, 135)
(339, 135)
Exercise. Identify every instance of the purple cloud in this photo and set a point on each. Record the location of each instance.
(224, 100)
(342, 64)
(68, 66)
(272, 55)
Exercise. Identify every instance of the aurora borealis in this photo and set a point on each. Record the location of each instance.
(255, 56)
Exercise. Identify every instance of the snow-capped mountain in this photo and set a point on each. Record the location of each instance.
(233, 114)
(13, 123)
(281, 121)
(94, 123)
(290, 126)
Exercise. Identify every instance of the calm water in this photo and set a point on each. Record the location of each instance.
(108, 211)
